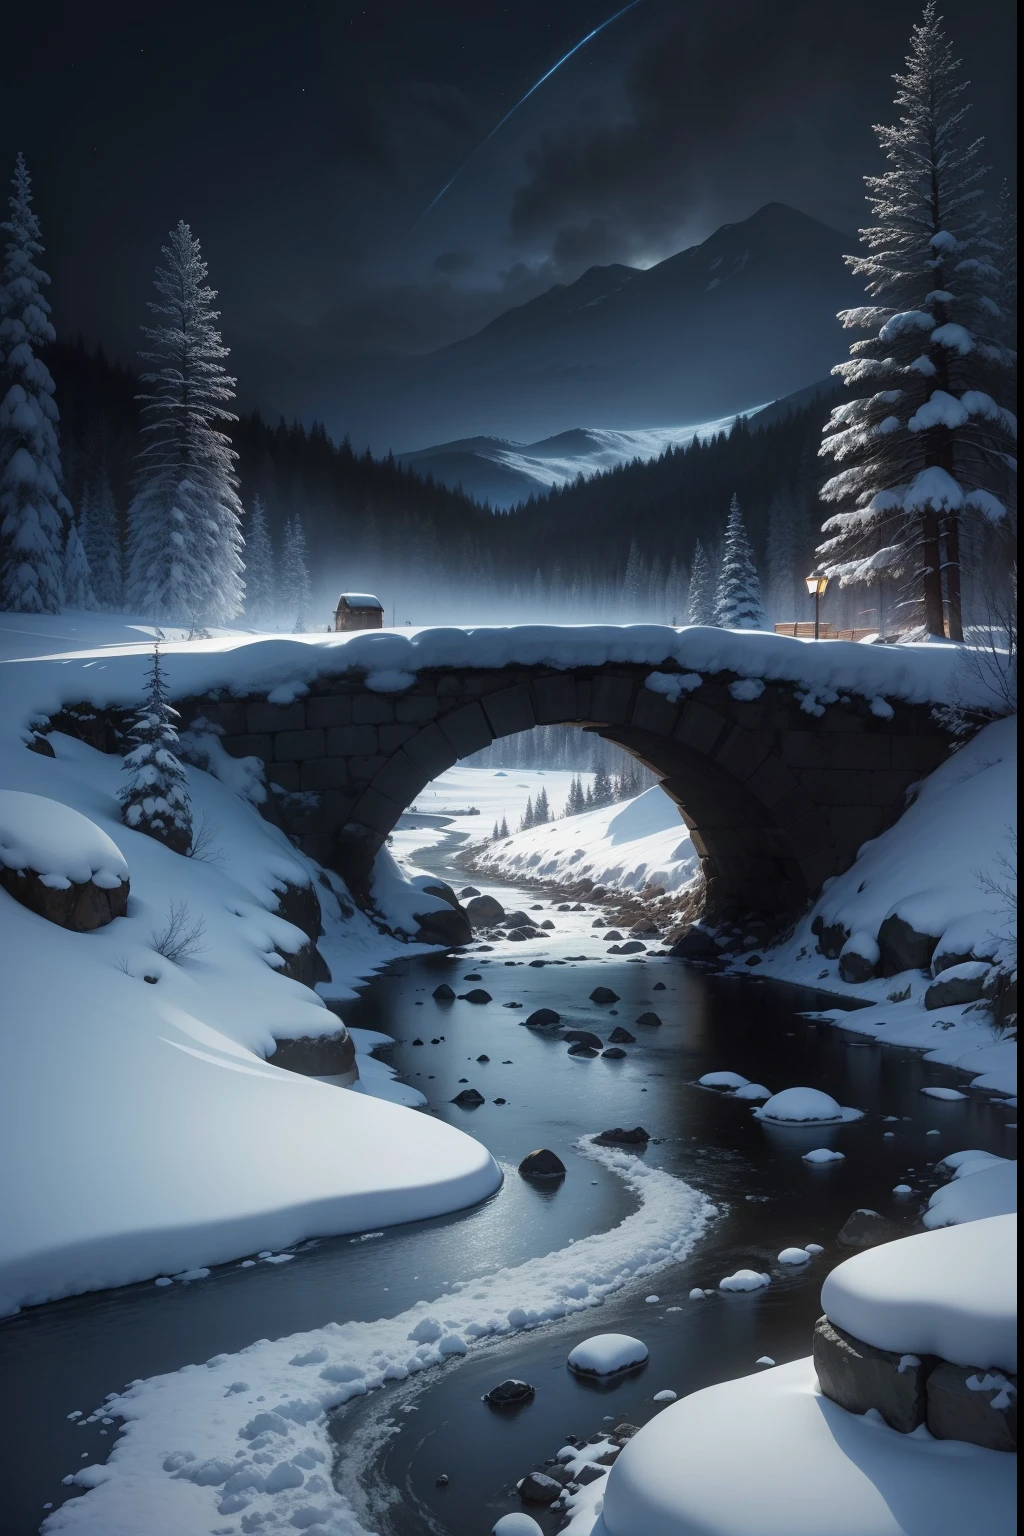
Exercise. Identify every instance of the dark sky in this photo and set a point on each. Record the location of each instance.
(302, 141)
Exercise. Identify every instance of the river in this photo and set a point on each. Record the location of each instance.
(394, 1445)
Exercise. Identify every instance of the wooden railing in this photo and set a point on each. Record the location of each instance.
(804, 630)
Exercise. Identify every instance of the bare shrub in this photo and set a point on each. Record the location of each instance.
(181, 936)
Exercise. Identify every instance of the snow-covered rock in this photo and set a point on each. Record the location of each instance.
(745, 1280)
(605, 1354)
(982, 1186)
(821, 1156)
(59, 864)
(805, 1106)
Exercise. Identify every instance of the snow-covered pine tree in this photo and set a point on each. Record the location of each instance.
(541, 808)
(701, 608)
(603, 791)
(503, 829)
(926, 440)
(295, 587)
(260, 597)
(184, 536)
(1004, 238)
(77, 581)
(102, 540)
(33, 509)
(527, 821)
(155, 799)
(738, 599)
(495, 834)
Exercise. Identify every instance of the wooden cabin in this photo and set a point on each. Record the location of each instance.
(358, 610)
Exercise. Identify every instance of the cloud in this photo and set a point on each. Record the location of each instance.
(450, 262)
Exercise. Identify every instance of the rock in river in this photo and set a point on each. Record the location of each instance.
(604, 995)
(620, 1036)
(468, 1098)
(443, 993)
(542, 1163)
(582, 1037)
(618, 1137)
(649, 1019)
(509, 1392)
(475, 995)
(541, 1017)
(482, 911)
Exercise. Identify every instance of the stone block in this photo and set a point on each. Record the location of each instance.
(449, 686)
(584, 699)
(363, 769)
(325, 773)
(431, 750)
(372, 709)
(740, 753)
(871, 750)
(843, 718)
(416, 709)
(610, 698)
(275, 717)
(229, 714)
(400, 779)
(467, 729)
(390, 737)
(249, 746)
(810, 834)
(509, 711)
(285, 775)
(772, 781)
(347, 740)
(296, 746)
(332, 709)
(335, 809)
(966, 1403)
(793, 805)
(920, 753)
(858, 1376)
(838, 786)
(853, 825)
(803, 749)
(699, 727)
(554, 699)
(377, 811)
(653, 712)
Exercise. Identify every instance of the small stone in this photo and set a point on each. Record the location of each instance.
(472, 976)
(417, 1041)
(659, 986)
(475, 995)
(620, 1036)
(468, 1098)
(443, 993)
(501, 1101)
(483, 1058)
(866, 1229)
(649, 1019)
(604, 995)
(613, 1053)
(587, 1051)
(538, 1488)
(442, 1481)
(510, 1391)
(613, 933)
(547, 923)
(619, 1137)
(582, 1037)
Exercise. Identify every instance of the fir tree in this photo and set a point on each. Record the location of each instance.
(184, 538)
(260, 597)
(701, 609)
(926, 439)
(503, 829)
(588, 799)
(102, 542)
(495, 834)
(155, 799)
(1004, 238)
(527, 821)
(738, 600)
(576, 801)
(295, 588)
(603, 793)
(77, 583)
(33, 509)
(541, 808)
(785, 549)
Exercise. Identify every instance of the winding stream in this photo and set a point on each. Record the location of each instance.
(394, 1444)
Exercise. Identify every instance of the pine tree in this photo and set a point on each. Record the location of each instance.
(589, 802)
(295, 588)
(576, 801)
(77, 581)
(1004, 238)
(503, 829)
(260, 597)
(602, 792)
(738, 600)
(541, 809)
(184, 537)
(495, 834)
(785, 548)
(924, 442)
(527, 821)
(102, 541)
(701, 608)
(33, 509)
(155, 799)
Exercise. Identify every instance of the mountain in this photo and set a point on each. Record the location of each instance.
(747, 316)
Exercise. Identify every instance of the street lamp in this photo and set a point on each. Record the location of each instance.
(816, 588)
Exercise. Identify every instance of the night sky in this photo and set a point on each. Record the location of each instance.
(304, 141)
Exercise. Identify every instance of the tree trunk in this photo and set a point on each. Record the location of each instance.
(931, 576)
(954, 609)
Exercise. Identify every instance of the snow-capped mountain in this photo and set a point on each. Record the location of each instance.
(749, 315)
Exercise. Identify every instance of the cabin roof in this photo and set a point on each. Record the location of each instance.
(360, 600)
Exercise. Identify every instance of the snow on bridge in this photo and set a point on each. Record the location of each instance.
(783, 755)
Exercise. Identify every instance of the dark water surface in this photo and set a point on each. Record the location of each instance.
(70, 1354)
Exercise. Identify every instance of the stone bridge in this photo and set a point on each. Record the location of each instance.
(778, 790)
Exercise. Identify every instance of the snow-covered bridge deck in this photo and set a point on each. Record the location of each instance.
(783, 755)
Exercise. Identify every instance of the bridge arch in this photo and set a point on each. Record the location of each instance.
(777, 796)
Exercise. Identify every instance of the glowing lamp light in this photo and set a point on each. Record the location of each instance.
(816, 585)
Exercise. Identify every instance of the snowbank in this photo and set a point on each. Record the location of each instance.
(951, 1293)
(56, 842)
(982, 1186)
(625, 846)
(768, 1453)
(177, 1464)
(149, 1134)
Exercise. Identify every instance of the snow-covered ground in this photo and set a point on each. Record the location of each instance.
(625, 846)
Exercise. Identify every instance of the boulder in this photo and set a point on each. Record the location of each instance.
(858, 959)
(604, 995)
(468, 1098)
(620, 1036)
(541, 1017)
(582, 1037)
(966, 1403)
(659, 986)
(300, 905)
(547, 924)
(484, 911)
(542, 1164)
(858, 1376)
(579, 1049)
(317, 1055)
(694, 943)
(509, 1392)
(517, 920)
(618, 1137)
(475, 995)
(649, 1019)
(445, 925)
(538, 1488)
(443, 993)
(631, 947)
(964, 983)
(614, 1053)
(80, 907)
(467, 891)
(832, 938)
(442, 889)
(866, 1229)
(644, 925)
(305, 964)
(613, 933)
(39, 743)
(902, 947)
